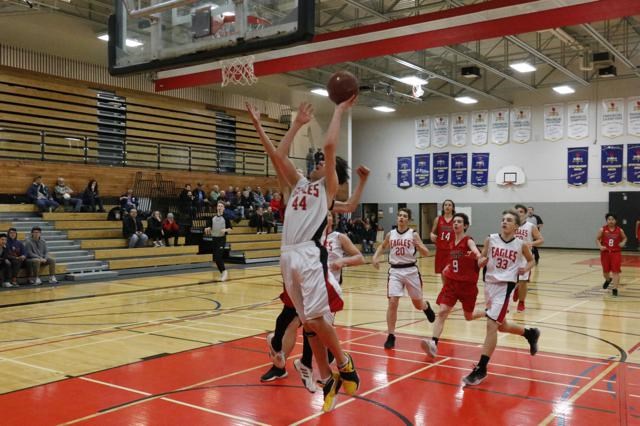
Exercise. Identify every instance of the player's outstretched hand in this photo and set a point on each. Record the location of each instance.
(348, 103)
(305, 113)
(363, 172)
(253, 112)
(482, 261)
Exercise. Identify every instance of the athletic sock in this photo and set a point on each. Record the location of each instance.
(307, 353)
(484, 360)
(435, 340)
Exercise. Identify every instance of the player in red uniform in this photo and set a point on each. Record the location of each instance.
(460, 281)
(611, 239)
(442, 235)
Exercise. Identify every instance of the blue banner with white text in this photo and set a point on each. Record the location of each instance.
(577, 166)
(459, 170)
(611, 164)
(422, 170)
(440, 168)
(633, 163)
(404, 172)
(479, 169)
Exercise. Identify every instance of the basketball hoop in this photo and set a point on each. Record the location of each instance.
(238, 71)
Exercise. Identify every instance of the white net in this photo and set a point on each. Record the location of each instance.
(238, 71)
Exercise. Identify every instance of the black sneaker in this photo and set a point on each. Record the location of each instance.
(274, 373)
(606, 283)
(476, 376)
(391, 342)
(431, 316)
(614, 291)
(533, 341)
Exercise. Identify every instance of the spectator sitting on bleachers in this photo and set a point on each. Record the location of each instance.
(62, 193)
(200, 197)
(37, 255)
(276, 206)
(170, 229)
(268, 195)
(154, 229)
(91, 196)
(133, 231)
(233, 203)
(128, 201)
(270, 221)
(39, 194)
(246, 202)
(17, 255)
(257, 221)
(214, 195)
(258, 197)
(5, 263)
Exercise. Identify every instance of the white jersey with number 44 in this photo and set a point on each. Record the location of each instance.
(306, 212)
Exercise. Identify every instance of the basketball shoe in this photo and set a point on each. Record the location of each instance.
(521, 306)
(431, 316)
(330, 390)
(606, 283)
(274, 373)
(614, 292)
(391, 342)
(306, 375)
(276, 356)
(349, 376)
(430, 347)
(477, 375)
(532, 335)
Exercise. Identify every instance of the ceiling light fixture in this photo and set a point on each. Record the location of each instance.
(321, 92)
(466, 100)
(523, 67)
(384, 109)
(413, 80)
(564, 90)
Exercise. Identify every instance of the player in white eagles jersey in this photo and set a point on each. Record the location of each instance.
(529, 233)
(403, 243)
(505, 255)
(303, 260)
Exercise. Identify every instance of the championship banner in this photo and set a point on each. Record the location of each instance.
(633, 163)
(553, 122)
(440, 168)
(521, 124)
(612, 118)
(578, 120)
(577, 166)
(459, 129)
(459, 170)
(611, 164)
(440, 131)
(422, 169)
(423, 133)
(500, 126)
(479, 127)
(633, 116)
(404, 172)
(479, 169)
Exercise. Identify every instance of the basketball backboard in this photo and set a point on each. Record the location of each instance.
(151, 35)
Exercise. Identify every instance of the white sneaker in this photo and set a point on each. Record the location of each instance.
(306, 374)
(430, 347)
(224, 277)
(38, 281)
(7, 284)
(53, 279)
(277, 357)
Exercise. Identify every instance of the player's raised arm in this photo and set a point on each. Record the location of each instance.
(353, 201)
(375, 260)
(331, 145)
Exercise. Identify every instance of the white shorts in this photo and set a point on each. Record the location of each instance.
(404, 278)
(497, 297)
(525, 277)
(313, 293)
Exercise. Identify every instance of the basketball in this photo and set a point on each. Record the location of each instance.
(341, 86)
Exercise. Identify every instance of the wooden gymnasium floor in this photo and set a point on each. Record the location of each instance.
(185, 350)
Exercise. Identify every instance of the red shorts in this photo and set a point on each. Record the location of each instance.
(442, 257)
(452, 291)
(611, 261)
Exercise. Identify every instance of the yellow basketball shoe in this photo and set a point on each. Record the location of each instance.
(349, 376)
(330, 390)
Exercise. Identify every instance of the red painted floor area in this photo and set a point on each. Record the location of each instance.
(627, 261)
(220, 385)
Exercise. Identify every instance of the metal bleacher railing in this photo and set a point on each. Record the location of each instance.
(47, 145)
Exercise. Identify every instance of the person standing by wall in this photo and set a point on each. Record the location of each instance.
(536, 220)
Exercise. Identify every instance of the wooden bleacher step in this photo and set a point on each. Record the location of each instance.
(144, 252)
(151, 262)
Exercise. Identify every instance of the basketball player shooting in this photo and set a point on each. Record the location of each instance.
(303, 262)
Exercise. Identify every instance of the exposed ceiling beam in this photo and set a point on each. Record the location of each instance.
(611, 48)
